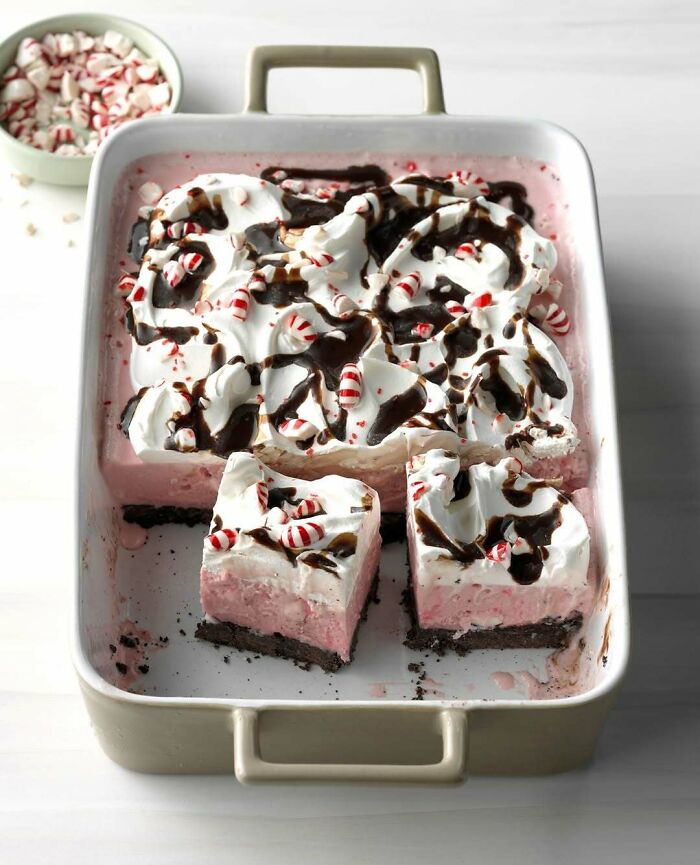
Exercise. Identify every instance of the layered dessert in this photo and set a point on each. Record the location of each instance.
(299, 326)
(289, 566)
(498, 559)
(335, 334)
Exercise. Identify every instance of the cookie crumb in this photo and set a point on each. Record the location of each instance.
(30, 229)
(70, 217)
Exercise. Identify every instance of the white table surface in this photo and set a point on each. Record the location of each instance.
(625, 78)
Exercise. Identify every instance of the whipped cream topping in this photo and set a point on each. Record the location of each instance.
(493, 525)
(333, 522)
(253, 298)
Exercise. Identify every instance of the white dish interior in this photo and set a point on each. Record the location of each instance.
(156, 587)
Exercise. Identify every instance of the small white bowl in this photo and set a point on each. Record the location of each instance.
(75, 170)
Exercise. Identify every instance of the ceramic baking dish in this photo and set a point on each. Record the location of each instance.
(203, 710)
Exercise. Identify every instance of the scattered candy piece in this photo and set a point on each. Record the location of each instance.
(422, 330)
(416, 489)
(263, 494)
(185, 439)
(173, 273)
(239, 195)
(500, 553)
(191, 261)
(126, 283)
(454, 308)
(306, 508)
(554, 318)
(350, 390)
(410, 284)
(301, 535)
(240, 302)
(220, 541)
(297, 429)
(300, 328)
(343, 304)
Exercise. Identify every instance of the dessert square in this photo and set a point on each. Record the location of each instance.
(498, 559)
(289, 565)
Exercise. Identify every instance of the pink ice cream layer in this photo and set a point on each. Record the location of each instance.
(242, 598)
(466, 606)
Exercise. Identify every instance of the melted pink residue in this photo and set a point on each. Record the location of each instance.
(505, 681)
(377, 690)
(132, 536)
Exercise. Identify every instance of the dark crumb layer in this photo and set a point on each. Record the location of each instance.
(278, 646)
(546, 634)
(148, 516)
(393, 528)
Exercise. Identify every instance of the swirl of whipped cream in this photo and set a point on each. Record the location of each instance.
(343, 507)
(466, 513)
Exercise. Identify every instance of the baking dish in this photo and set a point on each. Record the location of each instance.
(199, 710)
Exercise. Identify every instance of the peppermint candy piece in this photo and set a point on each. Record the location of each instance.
(263, 494)
(422, 330)
(343, 304)
(454, 308)
(61, 133)
(322, 260)
(479, 301)
(191, 227)
(173, 273)
(239, 195)
(554, 318)
(28, 52)
(276, 517)
(240, 303)
(416, 490)
(117, 43)
(476, 185)
(191, 261)
(500, 553)
(501, 423)
(350, 389)
(300, 328)
(80, 114)
(297, 429)
(465, 250)
(175, 230)
(150, 192)
(410, 284)
(300, 535)
(138, 294)
(221, 540)
(126, 283)
(17, 90)
(306, 508)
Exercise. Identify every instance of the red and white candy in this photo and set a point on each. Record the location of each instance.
(54, 80)
(173, 273)
(343, 304)
(479, 301)
(263, 494)
(306, 508)
(191, 261)
(416, 490)
(554, 318)
(221, 540)
(410, 284)
(454, 308)
(300, 328)
(500, 553)
(297, 429)
(422, 329)
(299, 535)
(350, 389)
(465, 250)
(477, 185)
(126, 283)
(185, 438)
(240, 303)
(323, 259)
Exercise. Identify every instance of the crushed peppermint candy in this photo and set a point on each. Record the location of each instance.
(66, 93)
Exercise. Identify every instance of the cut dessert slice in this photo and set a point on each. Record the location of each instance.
(498, 559)
(290, 565)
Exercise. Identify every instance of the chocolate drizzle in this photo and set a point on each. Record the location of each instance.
(396, 411)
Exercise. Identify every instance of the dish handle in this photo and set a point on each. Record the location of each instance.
(263, 58)
(249, 735)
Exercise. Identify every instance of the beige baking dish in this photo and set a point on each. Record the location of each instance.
(196, 714)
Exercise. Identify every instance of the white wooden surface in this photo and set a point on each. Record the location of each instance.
(625, 78)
